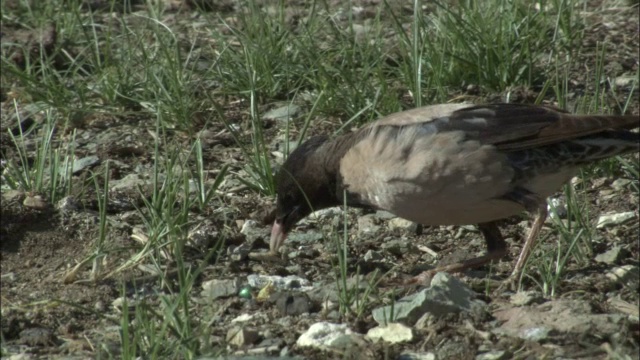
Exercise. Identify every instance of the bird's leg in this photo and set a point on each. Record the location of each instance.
(496, 247)
(538, 222)
(540, 217)
(533, 204)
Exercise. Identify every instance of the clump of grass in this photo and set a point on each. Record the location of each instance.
(164, 326)
(352, 300)
(494, 45)
(258, 59)
(574, 237)
(49, 171)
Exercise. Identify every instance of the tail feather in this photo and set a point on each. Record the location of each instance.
(578, 126)
(573, 153)
(608, 143)
(619, 122)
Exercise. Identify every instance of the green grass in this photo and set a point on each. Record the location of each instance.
(175, 78)
(353, 301)
(49, 170)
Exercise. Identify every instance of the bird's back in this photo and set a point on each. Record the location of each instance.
(454, 164)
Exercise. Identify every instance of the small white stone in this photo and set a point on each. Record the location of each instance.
(329, 335)
(402, 224)
(248, 225)
(243, 318)
(392, 333)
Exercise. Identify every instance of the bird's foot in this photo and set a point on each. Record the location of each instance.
(509, 284)
(403, 281)
(269, 256)
(423, 278)
(397, 280)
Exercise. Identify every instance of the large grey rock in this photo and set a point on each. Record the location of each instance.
(397, 247)
(446, 295)
(385, 215)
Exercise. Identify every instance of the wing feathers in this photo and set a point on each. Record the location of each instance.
(507, 126)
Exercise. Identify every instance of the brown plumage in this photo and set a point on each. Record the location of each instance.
(451, 164)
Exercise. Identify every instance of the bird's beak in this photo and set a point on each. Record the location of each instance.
(278, 236)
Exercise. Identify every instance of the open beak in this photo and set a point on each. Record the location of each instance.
(278, 236)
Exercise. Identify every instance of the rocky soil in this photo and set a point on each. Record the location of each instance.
(302, 307)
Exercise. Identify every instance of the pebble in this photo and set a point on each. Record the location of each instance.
(293, 304)
(216, 288)
(614, 219)
(393, 333)
(325, 335)
(367, 224)
(282, 113)
(242, 336)
(402, 225)
(35, 202)
(612, 255)
(493, 355)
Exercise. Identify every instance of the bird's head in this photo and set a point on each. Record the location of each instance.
(303, 186)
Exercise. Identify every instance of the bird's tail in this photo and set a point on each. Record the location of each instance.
(597, 123)
(607, 144)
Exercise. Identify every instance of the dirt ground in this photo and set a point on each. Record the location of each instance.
(45, 315)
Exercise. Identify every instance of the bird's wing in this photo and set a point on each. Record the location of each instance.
(507, 126)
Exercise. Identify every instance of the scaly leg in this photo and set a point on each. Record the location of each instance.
(540, 217)
(535, 205)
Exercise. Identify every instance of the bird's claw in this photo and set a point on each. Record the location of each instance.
(423, 278)
(509, 284)
(266, 256)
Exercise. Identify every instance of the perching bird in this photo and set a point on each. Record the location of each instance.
(451, 164)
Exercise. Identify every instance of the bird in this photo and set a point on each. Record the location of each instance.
(450, 164)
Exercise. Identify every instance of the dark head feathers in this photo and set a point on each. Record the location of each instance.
(302, 181)
(297, 163)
